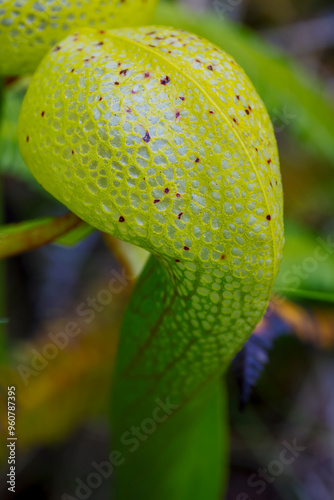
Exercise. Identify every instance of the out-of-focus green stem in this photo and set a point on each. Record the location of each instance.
(3, 341)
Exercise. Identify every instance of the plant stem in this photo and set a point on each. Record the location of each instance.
(3, 342)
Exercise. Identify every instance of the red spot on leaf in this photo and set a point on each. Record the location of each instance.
(146, 137)
(43, 113)
(166, 190)
(180, 214)
(165, 80)
(156, 201)
(185, 248)
(121, 219)
(268, 217)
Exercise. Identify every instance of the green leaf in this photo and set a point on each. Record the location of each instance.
(306, 294)
(307, 268)
(294, 99)
(28, 235)
(73, 237)
(29, 29)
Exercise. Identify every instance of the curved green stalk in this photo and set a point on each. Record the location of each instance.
(169, 401)
(157, 137)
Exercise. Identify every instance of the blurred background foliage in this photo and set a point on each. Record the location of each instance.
(280, 385)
